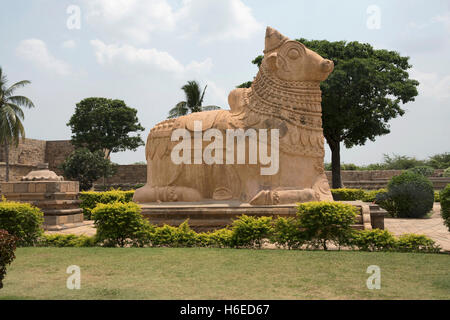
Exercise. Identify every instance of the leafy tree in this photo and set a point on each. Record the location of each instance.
(105, 124)
(86, 167)
(193, 103)
(361, 95)
(440, 161)
(11, 115)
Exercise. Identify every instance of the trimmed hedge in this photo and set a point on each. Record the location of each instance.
(119, 224)
(21, 220)
(89, 199)
(346, 194)
(445, 205)
(7, 248)
(66, 240)
(326, 221)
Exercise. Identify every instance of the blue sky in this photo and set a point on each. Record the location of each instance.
(143, 51)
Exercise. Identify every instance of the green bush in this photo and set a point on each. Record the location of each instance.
(119, 224)
(7, 248)
(181, 236)
(423, 170)
(326, 221)
(437, 197)
(89, 199)
(446, 172)
(66, 240)
(287, 233)
(373, 240)
(411, 195)
(371, 196)
(445, 205)
(21, 220)
(416, 243)
(219, 238)
(248, 231)
(344, 194)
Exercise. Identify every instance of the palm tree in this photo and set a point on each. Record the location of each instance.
(11, 127)
(193, 103)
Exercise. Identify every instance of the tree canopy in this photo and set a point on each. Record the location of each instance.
(366, 89)
(105, 124)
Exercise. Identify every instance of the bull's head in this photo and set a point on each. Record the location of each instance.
(291, 60)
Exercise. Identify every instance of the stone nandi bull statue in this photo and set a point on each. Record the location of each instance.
(285, 95)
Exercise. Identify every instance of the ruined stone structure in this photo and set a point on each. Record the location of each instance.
(46, 190)
(286, 96)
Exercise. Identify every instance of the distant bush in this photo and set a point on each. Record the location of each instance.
(119, 224)
(371, 196)
(248, 231)
(66, 240)
(89, 199)
(437, 197)
(344, 194)
(326, 221)
(445, 205)
(411, 195)
(440, 161)
(21, 220)
(423, 170)
(7, 248)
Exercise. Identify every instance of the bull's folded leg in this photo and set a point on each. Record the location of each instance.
(148, 194)
(284, 196)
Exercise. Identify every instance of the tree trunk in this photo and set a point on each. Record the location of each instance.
(335, 164)
(7, 161)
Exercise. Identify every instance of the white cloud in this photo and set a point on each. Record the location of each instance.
(444, 19)
(145, 59)
(35, 51)
(131, 19)
(137, 20)
(69, 44)
(432, 84)
(218, 20)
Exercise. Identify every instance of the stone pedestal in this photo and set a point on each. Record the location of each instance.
(57, 199)
(212, 215)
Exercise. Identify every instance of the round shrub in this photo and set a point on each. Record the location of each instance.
(287, 233)
(326, 221)
(445, 205)
(21, 220)
(411, 242)
(411, 194)
(119, 224)
(7, 248)
(423, 170)
(374, 240)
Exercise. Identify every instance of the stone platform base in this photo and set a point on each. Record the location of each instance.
(206, 216)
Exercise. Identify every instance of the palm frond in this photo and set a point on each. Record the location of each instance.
(209, 108)
(15, 86)
(180, 109)
(21, 101)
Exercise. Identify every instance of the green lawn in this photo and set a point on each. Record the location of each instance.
(200, 273)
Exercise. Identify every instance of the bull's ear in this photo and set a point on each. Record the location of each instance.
(271, 61)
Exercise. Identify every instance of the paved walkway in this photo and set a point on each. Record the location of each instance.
(432, 227)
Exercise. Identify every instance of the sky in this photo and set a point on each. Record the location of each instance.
(144, 51)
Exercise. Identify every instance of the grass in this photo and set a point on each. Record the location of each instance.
(201, 273)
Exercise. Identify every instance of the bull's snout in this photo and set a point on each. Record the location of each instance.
(327, 65)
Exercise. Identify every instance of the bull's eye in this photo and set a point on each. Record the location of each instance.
(293, 54)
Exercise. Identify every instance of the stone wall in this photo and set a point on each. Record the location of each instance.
(127, 174)
(28, 152)
(56, 152)
(16, 171)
